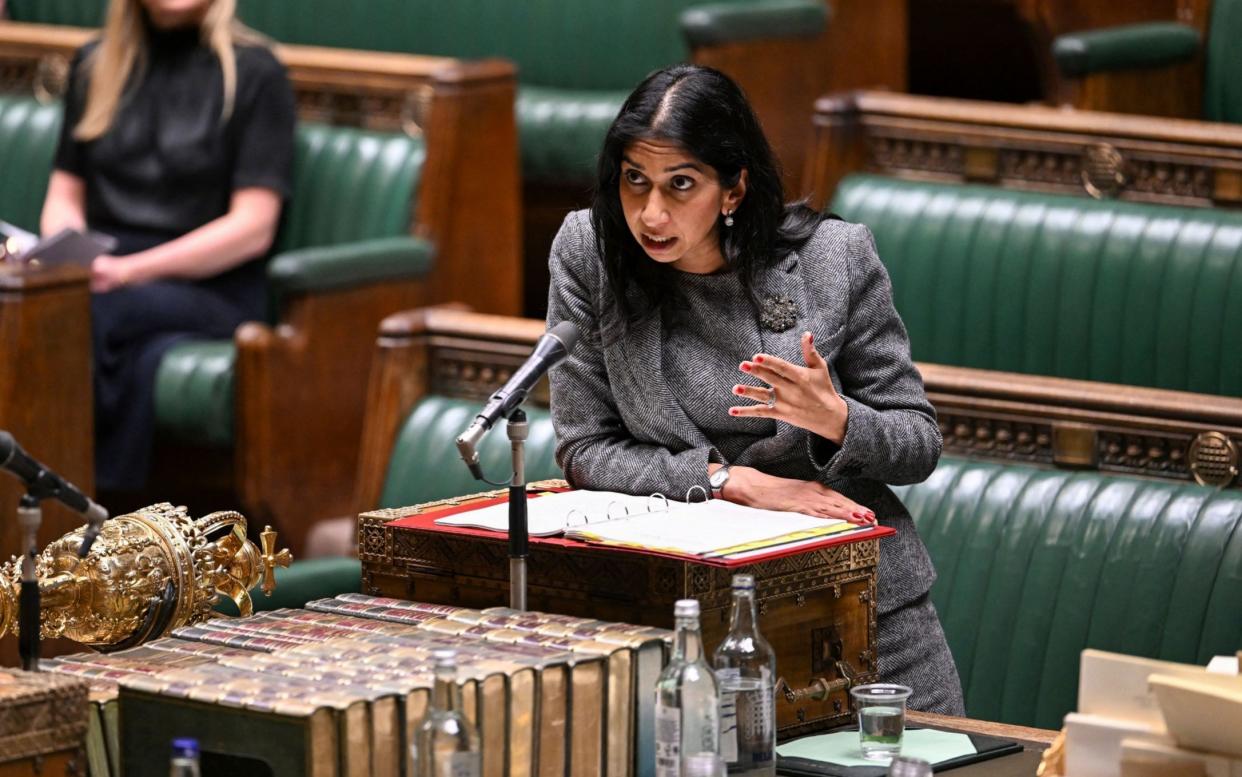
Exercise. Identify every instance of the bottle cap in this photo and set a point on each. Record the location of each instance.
(686, 608)
(444, 657)
(743, 582)
(185, 747)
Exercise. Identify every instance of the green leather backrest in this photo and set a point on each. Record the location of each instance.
(1036, 565)
(28, 135)
(1057, 285)
(1222, 94)
(350, 184)
(77, 13)
(425, 466)
(574, 44)
(554, 42)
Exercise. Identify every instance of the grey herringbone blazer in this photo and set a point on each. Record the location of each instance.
(619, 428)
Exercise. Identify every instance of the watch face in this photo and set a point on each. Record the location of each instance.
(719, 477)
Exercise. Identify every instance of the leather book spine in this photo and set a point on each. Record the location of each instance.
(265, 643)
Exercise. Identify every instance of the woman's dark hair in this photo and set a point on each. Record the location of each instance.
(704, 112)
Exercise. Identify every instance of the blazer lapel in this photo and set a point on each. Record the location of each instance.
(644, 353)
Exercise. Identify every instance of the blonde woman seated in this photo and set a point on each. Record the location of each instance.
(178, 141)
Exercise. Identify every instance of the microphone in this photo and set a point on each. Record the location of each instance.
(49, 484)
(552, 348)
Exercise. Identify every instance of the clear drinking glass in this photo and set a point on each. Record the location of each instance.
(881, 719)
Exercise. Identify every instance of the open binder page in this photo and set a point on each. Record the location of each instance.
(548, 515)
(710, 529)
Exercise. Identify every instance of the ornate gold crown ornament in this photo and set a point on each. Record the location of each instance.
(150, 571)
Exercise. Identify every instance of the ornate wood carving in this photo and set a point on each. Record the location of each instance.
(1033, 147)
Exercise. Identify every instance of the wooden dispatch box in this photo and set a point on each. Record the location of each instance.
(816, 607)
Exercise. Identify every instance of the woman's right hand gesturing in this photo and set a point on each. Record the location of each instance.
(750, 487)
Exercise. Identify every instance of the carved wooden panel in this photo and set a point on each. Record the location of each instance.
(1031, 147)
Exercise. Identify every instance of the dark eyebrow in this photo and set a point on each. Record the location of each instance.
(684, 165)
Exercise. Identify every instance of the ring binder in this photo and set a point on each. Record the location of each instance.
(705, 528)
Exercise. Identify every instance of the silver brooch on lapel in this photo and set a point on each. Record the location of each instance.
(779, 314)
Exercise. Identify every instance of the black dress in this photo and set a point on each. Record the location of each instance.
(168, 165)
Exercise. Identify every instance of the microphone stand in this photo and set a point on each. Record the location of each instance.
(29, 618)
(518, 530)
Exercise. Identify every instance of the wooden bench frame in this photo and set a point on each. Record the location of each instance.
(996, 415)
(1103, 155)
(1174, 91)
(283, 467)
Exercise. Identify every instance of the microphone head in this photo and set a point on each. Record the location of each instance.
(7, 447)
(567, 333)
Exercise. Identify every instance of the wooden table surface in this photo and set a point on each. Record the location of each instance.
(1024, 764)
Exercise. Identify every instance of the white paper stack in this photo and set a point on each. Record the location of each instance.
(1140, 717)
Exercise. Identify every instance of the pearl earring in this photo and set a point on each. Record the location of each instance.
(728, 218)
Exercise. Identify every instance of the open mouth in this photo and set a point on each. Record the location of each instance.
(658, 243)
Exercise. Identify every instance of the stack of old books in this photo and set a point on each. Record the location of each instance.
(1139, 717)
(341, 687)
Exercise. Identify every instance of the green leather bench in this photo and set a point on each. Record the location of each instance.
(1034, 564)
(1072, 287)
(343, 259)
(577, 60)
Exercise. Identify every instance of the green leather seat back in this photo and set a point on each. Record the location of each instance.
(77, 13)
(425, 466)
(1036, 565)
(561, 131)
(1222, 93)
(554, 42)
(1057, 285)
(350, 184)
(28, 135)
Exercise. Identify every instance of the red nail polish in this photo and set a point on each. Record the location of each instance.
(732, 411)
(810, 338)
(737, 389)
(759, 359)
(745, 367)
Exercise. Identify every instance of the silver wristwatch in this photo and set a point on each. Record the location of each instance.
(718, 479)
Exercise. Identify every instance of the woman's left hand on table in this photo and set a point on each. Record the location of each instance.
(805, 396)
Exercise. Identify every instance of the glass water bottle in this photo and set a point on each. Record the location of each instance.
(448, 746)
(687, 705)
(746, 670)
